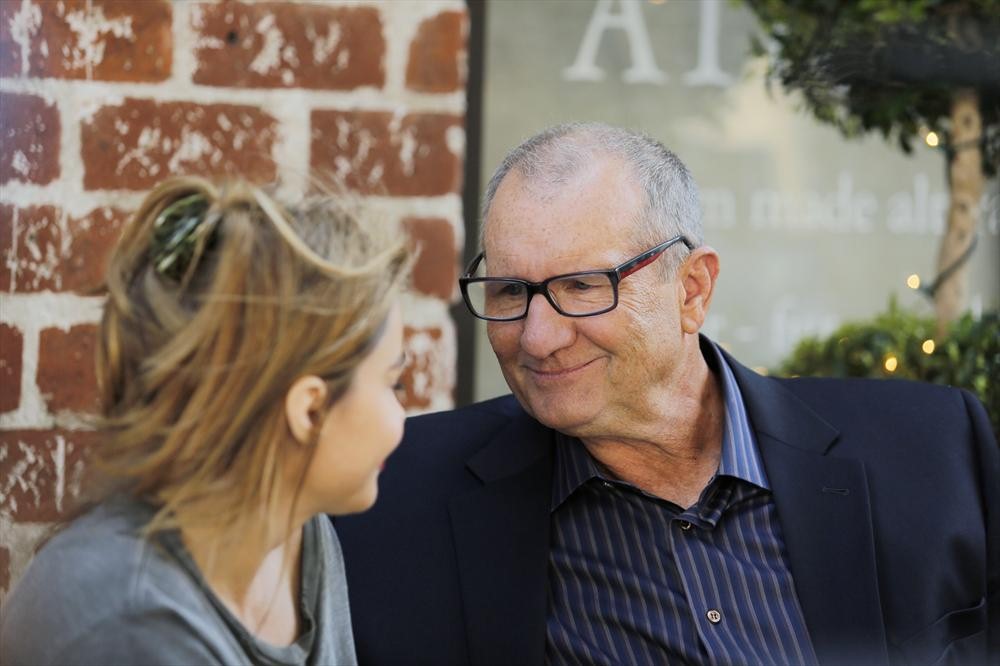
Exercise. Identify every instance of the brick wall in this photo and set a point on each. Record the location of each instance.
(99, 100)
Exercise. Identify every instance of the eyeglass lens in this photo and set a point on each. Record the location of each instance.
(580, 294)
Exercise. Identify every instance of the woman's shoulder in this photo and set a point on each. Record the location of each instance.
(325, 599)
(93, 559)
(99, 572)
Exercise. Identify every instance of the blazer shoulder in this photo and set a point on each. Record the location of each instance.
(473, 423)
(894, 410)
(499, 409)
(445, 440)
(876, 393)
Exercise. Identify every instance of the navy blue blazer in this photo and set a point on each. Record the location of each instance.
(888, 494)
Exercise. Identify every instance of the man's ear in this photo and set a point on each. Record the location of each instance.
(302, 406)
(697, 275)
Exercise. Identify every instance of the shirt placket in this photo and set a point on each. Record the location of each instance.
(694, 557)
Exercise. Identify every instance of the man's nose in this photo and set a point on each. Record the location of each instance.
(545, 330)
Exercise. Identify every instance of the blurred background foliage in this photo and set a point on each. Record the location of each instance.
(902, 345)
(911, 70)
(887, 66)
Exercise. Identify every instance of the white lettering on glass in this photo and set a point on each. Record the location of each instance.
(632, 22)
(707, 72)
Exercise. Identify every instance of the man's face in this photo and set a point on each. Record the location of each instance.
(589, 376)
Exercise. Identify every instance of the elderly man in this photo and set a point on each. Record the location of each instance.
(643, 498)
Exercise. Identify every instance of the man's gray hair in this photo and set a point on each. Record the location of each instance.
(552, 157)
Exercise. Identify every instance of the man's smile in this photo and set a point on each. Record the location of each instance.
(556, 374)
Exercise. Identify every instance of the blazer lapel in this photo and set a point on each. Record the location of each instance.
(823, 508)
(501, 535)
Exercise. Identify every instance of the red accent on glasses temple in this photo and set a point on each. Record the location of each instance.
(644, 262)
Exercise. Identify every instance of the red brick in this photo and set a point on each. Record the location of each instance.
(44, 249)
(288, 45)
(376, 152)
(66, 375)
(41, 472)
(104, 40)
(30, 128)
(11, 349)
(437, 54)
(136, 145)
(14, 21)
(428, 370)
(437, 269)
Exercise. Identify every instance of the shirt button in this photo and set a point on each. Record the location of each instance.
(685, 525)
(714, 616)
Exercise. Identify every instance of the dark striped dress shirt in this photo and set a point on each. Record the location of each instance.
(634, 579)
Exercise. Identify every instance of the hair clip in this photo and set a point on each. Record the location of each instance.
(180, 233)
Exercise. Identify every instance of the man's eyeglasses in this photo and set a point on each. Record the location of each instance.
(583, 294)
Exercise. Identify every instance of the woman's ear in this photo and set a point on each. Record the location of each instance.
(302, 405)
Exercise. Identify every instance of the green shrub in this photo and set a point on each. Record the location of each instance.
(892, 345)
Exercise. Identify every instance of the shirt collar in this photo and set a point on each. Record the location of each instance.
(740, 456)
(574, 467)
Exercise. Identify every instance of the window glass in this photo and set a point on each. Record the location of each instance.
(813, 229)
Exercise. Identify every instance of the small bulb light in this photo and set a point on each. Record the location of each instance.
(932, 139)
(891, 362)
(928, 346)
(913, 282)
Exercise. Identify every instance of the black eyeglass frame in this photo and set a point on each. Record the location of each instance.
(614, 275)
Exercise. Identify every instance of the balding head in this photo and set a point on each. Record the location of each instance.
(555, 156)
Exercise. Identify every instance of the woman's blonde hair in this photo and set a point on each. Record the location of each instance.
(219, 298)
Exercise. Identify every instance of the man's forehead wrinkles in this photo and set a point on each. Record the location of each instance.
(514, 256)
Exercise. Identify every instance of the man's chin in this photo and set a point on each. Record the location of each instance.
(567, 414)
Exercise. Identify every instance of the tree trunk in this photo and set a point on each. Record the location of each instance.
(966, 182)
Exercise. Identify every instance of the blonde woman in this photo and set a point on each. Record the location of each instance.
(248, 360)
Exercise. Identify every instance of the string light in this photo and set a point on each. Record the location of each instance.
(931, 289)
(940, 142)
(891, 362)
(928, 346)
